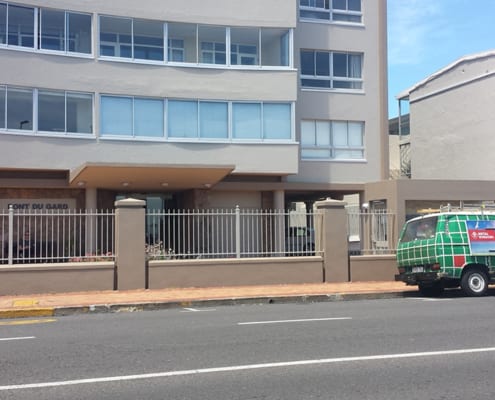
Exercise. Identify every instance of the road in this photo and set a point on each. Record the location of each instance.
(404, 349)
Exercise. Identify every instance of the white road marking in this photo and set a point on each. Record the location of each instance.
(18, 338)
(198, 310)
(246, 367)
(292, 320)
(428, 299)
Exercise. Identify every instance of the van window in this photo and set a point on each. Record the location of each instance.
(423, 228)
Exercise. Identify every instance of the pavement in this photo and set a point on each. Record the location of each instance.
(59, 304)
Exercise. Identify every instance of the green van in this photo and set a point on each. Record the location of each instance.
(448, 249)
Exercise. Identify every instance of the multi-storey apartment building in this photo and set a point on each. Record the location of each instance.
(197, 104)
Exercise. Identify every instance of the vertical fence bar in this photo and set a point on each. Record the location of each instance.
(11, 236)
(237, 232)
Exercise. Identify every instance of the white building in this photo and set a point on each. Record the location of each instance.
(221, 103)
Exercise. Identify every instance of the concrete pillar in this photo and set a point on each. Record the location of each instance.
(331, 228)
(130, 215)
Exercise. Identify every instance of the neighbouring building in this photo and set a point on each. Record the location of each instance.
(444, 142)
(197, 104)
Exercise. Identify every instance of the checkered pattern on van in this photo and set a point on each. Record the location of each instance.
(449, 247)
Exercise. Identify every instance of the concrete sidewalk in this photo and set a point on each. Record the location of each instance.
(135, 300)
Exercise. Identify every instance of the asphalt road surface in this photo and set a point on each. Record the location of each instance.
(412, 348)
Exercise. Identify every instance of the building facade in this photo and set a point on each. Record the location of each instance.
(451, 120)
(218, 103)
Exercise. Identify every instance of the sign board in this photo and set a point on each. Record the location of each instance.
(38, 204)
(481, 236)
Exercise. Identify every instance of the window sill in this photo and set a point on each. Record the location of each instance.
(324, 90)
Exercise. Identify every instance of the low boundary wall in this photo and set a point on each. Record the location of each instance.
(56, 278)
(235, 272)
(24, 279)
(372, 268)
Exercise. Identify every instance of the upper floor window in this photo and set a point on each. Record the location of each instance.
(332, 10)
(131, 38)
(58, 30)
(332, 139)
(16, 25)
(331, 70)
(64, 31)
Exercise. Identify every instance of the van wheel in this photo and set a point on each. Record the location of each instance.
(474, 282)
(431, 289)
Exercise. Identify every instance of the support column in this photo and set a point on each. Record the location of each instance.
(331, 231)
(130, 215)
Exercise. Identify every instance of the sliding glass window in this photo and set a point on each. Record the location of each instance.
(132, 117)
(116, 37)
(60, 111)
(182, 119)
(78, 33)
(2, 107)
(275, 47)
(20, 109)
(148, 40)
(213, 120)
(20, 26)
(182, 44)
(3, 23)
(244, 46)
(212, 42)
(128, 38)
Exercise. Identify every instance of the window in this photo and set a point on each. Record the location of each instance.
(128, 38)
(277, 121)
(60, 111)
(275, 47)
(244, 46)
(331, 10)
(148, 40)
(52, 30)
(2, 107)
(20, 109)
(116, 37)
(182, 119)
(20, 26)
(332, 139)
(176, 50)
(182, 42)
(116, 116)
(212, 45)
(347, 10)
(133, 117)
(213, 120)
(331, 70)
(261, 121)
(3, 23)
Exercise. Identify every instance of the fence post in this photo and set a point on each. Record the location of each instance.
(334, 241)
(130, 234)
(237, 232)
(10, 255)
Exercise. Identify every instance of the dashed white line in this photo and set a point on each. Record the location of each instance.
(284, 321)
(247, 367)
(187, 309)
(18, 338)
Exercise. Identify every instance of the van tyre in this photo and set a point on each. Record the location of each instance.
(474, 282)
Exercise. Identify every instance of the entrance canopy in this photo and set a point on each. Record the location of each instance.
(147, 176)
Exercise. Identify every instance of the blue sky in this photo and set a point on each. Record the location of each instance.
(427, 35)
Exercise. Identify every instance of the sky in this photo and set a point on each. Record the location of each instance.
(426, 35)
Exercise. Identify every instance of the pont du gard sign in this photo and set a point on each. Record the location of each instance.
(38, 204)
